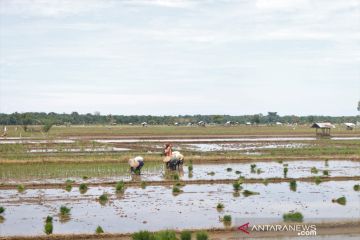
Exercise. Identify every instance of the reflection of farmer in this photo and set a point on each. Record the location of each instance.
(172, 159)
(136, 164)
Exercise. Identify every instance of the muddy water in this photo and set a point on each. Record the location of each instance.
(108, 149)
(155, 207)
(211, 147)
(296, 169)
(104, 172)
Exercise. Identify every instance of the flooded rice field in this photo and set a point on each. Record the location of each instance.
(101, 149)
(211, 147)
(109, 172)
(164, 140)
(155, 207)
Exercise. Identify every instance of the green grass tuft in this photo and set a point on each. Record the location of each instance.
(285, 172)
(48, 219)
(229, 169)
(48, 228)
(341, 200)
(2, 209)
(314, 170)
(99, 230)
(165, 235)
(83, 188)
(202, 236)
(21, 188)
(318, 180)
(120, 186)
(143, 184)
(293, 185)
(220, 206)
(185, 235)
(357, 187)
(247, 193)
(227, 219)
(103, 198)
(143, 235)
(176, 190)
(237, 185)
(64, 211)
(293, 217)
(326, 172)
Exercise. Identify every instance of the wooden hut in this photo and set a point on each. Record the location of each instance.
(322, 129)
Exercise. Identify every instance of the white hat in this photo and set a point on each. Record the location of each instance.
(139, 159)
(133, 163)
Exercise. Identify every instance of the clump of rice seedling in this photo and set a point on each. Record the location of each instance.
(103, 198)
(326, 163)
(2, 209)
(48, 219)
(326, 172)
(120, 187)
(185, 235)
(285, 172)
(143, 235)
(229, 169)
(220, 206)
(190, 167)
(252, 168)
(285, 164)
(247, 193)
(202, 236)
(143, 184)
(357, 187)
(68, 187)
(48, 228)
(85, 177)
(211, 173)
(314, 170)
(165, 235)
(69, 181)
(99, 230)
(341, 200)
(190, 175)
(293, 185)
(176, 176)
(176, 190)
(20, 188)
(237, 172)
(226, 219)
(64, 211)
(317, 180)
(293, 217)
(280, 161)
(259, 171)
(83, 188)
(265, 181)
(237, 185)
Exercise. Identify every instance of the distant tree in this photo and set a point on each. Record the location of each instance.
(218, 119)
(256, 118)
(272, 117)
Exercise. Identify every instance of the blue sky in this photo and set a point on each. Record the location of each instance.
(166, 57)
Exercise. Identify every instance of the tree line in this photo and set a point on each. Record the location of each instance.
(41, 118)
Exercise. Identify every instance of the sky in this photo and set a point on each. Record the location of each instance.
(170, 57)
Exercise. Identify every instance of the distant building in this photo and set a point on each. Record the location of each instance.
(322, 129)
(201, 123)
(144, 124)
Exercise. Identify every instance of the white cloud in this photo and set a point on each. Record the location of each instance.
(51, 8)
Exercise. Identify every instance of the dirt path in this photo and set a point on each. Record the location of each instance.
(172, 182)
(324, 229)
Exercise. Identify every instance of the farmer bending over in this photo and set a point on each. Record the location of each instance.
(136, 164)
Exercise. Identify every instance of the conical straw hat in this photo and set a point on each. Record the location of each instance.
(133, 163)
